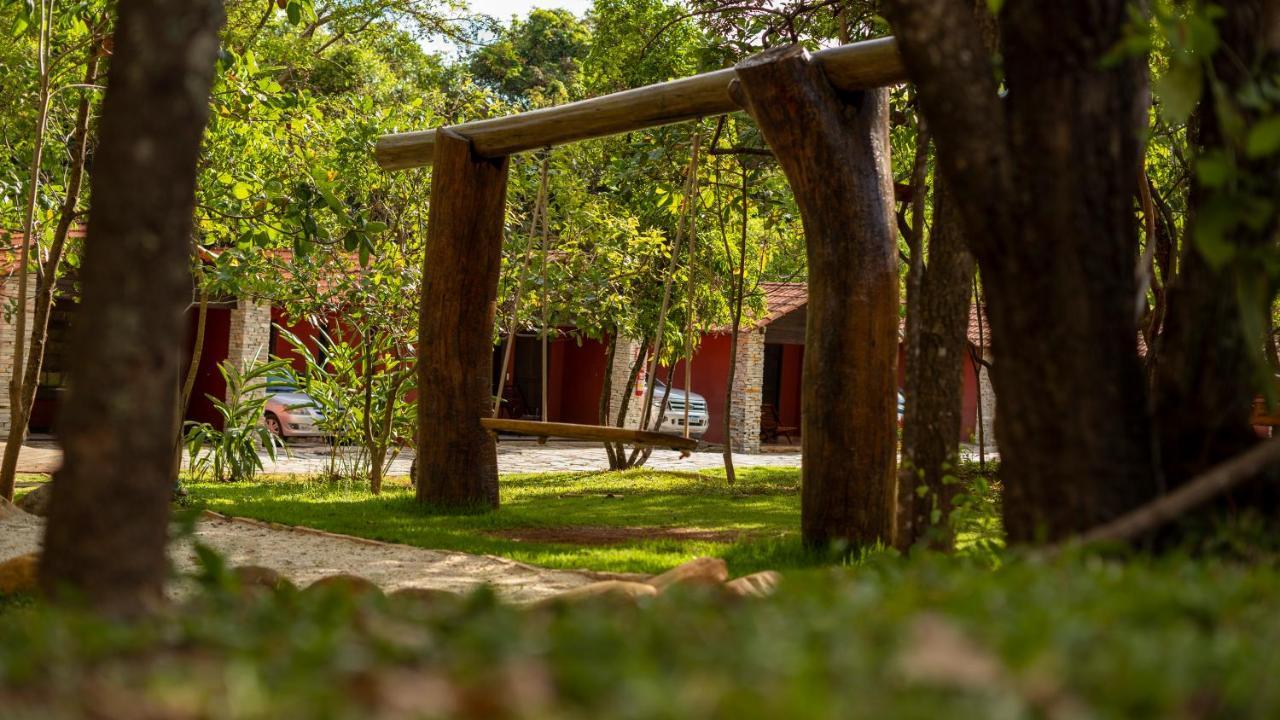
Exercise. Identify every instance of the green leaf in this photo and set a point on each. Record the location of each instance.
(1179, 90)
(1213, 168)
(1264, 138)
(1215, 219)
(294, 11)
(241, 191)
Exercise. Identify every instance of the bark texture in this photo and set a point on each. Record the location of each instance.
(934, 388)
(457, 457)
(834, 150)
(108, 521)
(1206, 376)
(1044, 175)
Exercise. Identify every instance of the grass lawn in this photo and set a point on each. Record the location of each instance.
(559, 520)
(635, 521)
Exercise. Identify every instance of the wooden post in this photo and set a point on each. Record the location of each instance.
(834, 149)
(457, 459)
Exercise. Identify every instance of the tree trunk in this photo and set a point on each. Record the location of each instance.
(1208, 369)
(24, 399)
(606, 392)
(834, 150)
(935, 383)
(457, 457)
(624, 460)
(189, 383)
(108, 519)
(1044, 172)
(739, 286)
(17, 427)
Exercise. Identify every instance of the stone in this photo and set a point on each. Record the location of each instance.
(605, 589)
(257, 576)
(699, 571)
(424, 596)
(19, 574)
(8, 509)
(36, 502)
(761, 584)
(353, 585)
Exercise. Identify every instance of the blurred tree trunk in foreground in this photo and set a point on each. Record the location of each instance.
(1208, 364)
(108, 521)
(1044, 170)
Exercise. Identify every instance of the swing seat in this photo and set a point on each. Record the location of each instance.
(574, 431)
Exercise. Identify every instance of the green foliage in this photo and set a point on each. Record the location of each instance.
(362, 387)
(537, 60)
(230, 454)
(1077, 636)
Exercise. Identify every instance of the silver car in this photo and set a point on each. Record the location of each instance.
(290, 412)
(673, 418)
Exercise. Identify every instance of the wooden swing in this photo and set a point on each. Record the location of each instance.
(542, 429)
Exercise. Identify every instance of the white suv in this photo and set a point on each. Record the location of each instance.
(673, 418)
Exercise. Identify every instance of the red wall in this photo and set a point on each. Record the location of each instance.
(711, 371)
(577, 376)
(305, 332)
(217, 332)
(789, 385)
(710, 380)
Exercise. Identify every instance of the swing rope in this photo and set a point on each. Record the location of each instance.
(686, 218)
(539, 213)
(688, 335)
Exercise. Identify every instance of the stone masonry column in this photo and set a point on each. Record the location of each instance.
(620, 374)
(250, 333)
(987, 394)
(8, 322)
(744, 416)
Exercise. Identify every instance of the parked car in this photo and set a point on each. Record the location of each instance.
(673, 418)
(290, 412)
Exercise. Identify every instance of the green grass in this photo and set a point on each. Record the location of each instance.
(764, 505)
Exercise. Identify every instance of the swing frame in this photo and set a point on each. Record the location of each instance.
(825, 118)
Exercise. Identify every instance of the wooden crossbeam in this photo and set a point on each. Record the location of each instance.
(595, 433)
(857, 66)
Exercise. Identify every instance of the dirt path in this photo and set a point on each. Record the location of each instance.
(305, 556)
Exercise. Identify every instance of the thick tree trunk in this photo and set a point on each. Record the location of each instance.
(108, 520)
(935, 383)
(834, 150)
(457, 457)
(1044, 175)
(20, 409)
(1207, 373)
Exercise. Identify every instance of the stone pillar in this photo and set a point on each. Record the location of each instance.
(744, 416)
(620, 374)
(8, 329)
(987, 394)
(250, 333)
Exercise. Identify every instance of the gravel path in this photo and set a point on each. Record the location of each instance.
(305, 556)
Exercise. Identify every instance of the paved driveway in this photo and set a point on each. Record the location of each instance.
(514, 456)
(521, 456)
